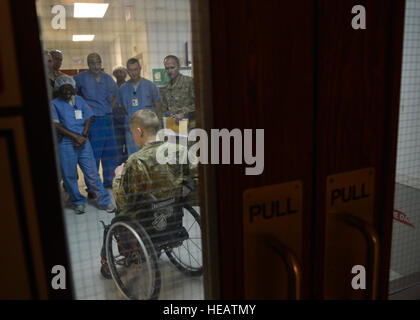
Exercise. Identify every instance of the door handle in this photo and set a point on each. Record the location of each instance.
(294, 270)
(372, 240)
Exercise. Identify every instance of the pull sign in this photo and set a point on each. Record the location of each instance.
(265, 205)
(352, 192)
(348, 193)
(273, 211)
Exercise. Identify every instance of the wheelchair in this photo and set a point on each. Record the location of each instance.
(133, 244)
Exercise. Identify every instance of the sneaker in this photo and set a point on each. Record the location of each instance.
(110, 208)
(79, 209)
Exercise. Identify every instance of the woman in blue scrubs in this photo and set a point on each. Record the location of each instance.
(72, 117)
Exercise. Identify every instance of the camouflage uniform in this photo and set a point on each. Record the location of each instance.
(143, 174)
(179, 98)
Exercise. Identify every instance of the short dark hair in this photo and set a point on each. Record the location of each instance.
(173, 57)
(55, 52)
(93, 57)
(133, 61)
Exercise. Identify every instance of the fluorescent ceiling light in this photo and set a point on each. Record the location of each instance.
(83, 37)
(90, 10)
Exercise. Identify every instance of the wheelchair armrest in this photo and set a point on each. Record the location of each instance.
(188, 185)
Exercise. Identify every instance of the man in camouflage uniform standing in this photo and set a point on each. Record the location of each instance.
(178, 97)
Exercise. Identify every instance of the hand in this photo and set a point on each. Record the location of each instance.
(119, 108)
(122, 108)
(178, 117)
(119, 169)
(79, 141)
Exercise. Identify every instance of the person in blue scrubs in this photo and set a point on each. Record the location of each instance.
(72, 118)
(99, 90)
(136, 94)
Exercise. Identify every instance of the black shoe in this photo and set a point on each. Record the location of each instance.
(91, 195)
(105, 271)
(79, 209)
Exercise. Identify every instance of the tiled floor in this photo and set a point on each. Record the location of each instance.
(84, 234)
(405, 257)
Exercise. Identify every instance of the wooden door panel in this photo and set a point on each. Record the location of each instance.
(357, 103)
(262, 57)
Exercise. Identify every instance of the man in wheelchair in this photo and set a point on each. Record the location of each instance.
(149, 192)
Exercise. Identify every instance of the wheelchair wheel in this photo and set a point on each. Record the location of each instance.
(132, 261)
(188, 257)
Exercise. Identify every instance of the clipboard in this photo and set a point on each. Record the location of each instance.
(170, 123)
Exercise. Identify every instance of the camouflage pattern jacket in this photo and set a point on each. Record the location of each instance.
(143, 174)
(179, 98)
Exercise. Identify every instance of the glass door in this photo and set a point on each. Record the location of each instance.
(118, 58)
(404, 274)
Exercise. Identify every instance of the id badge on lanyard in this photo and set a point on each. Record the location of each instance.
(78, 114)
(134, 102)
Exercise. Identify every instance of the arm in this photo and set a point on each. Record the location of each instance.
(119, 110)
(158, 106)
(117, 179)
(188, 109)
(114, 93)
(113, 102)
(124, 109)
(119, 101)
(128, 187)
(157, 100)
(88, 114)
(163, 103)
(78, 140)
(87, 127)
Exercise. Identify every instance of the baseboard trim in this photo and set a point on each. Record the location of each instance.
(410, 181)
(407, 288)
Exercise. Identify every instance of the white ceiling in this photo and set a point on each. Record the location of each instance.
(114, 22)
